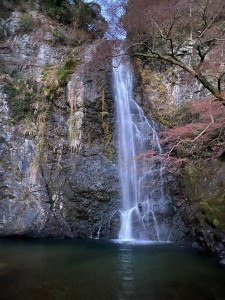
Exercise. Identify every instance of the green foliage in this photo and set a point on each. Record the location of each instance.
(208, 205)
(87, 14)
(2, 162)
(79, 14)
(64, 72)
(216, 223)
(55, 79)
(213, 209)
(27, 100)
(24, 23)
(21, 96)
(59, 37)
(62, 11)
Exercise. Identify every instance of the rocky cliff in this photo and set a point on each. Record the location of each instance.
(57, 166)
(58, 162)
(196, 186)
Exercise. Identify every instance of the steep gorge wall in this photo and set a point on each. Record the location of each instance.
(198, 192)
(58, 160)
(57, 168)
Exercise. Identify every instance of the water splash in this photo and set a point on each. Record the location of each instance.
(144, 203)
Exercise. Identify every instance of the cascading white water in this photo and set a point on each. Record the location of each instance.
(143, 199)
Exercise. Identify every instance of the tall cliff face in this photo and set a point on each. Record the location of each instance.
(197, 191)
(57, 168)
(58, 164)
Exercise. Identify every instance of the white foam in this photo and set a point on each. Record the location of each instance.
(138, 242)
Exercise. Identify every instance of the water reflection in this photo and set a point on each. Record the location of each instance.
(125, 272)
(98, 270)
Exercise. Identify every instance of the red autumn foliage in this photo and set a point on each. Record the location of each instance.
(203, 137)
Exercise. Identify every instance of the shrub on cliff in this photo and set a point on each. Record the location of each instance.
(198, 132)
(24, 23)
(77, 14)
(62, 11)
(21, 97)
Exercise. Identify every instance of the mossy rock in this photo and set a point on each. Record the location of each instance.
(64, 72)
(205, 189)
(21, 97)
(54, 79)
(24, 23)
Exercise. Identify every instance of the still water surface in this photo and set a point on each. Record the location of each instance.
(101, 270)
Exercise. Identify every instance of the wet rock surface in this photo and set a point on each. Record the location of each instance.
(204, 186)
(197, 193)
(58, 172)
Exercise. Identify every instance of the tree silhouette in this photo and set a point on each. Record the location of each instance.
(187, 34)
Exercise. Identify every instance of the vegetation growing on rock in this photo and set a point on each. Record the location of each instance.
(24, 23)
(22, 95)
(77, 14)
(51, 190)
(178, 53)
(55, 78)
(187, 34)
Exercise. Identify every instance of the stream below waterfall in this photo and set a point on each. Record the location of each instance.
(95, 270)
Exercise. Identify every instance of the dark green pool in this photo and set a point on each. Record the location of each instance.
(95, 270)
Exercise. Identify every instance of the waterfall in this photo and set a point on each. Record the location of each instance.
(144, 203)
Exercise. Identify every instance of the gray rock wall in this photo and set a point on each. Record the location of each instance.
(58, 168)
(197, 191)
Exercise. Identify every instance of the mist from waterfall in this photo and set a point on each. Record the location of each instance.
(142, 190)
